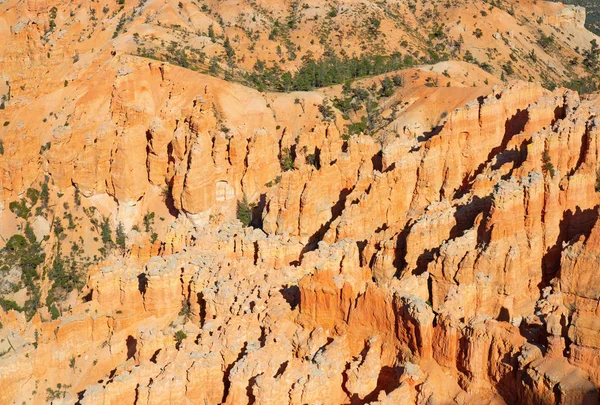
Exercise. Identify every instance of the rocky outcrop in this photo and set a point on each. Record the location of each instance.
(447, 257)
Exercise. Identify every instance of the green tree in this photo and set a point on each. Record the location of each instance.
(214, 65)
(592, 56)
(148, 221)
(387, 87)
(229, 52)
(286, 160)
(180, 336)
(244, 211)
(121, 237)
(211, 33)
(106, 232)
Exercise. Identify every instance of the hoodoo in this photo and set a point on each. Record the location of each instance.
(299, 202)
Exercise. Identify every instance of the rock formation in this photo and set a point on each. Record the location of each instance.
(425, 235)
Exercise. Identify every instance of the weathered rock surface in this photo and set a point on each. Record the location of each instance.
(452, 257)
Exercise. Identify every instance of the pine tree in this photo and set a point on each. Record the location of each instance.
(244, 211)
(120, 239)
(230, 52)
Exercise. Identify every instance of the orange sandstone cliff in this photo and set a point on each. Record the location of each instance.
(172, 237)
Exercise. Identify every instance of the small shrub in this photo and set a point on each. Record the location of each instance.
(148, 221)
(7, 305)
(326, 110)
(547, 164)
(244, 211)
(33, 195)
(286, 160)
(106, 232)
(121, 237)
(19, 208)
(546, 41)
(54, 312)
(274, 182)
(180, 336)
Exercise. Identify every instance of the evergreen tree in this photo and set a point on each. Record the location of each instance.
(244, 211)
(121, 238)
(230, 52)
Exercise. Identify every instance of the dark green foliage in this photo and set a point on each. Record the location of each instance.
(186, 310)
(326, 110)
(58, 229)
(7, 305)
(211, 33)
(533, 56)
(229, 52)
(65, 277)
(61, 389)
(324, 72)
(45, 147)
(313, 160)
(546, 41)
(387, 87)
(120, 25)
(591, 56)
(353, 100)
(52, 15)
(44, 195)
(244, 211)
(468, 56)
(148, 221)
(274, 182)
(286, 160)
(547, 164)
(177, 55)
(121, 237)
(19, 208)
(180, 336)
(16, 243)
(214, 65)
(584, 85)
(77, 197)
(437, 32)
(357, 128)
(373, 25)
(26, 253)
(106, 232)
(33, 196)
(508, 68)
(54, 312)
